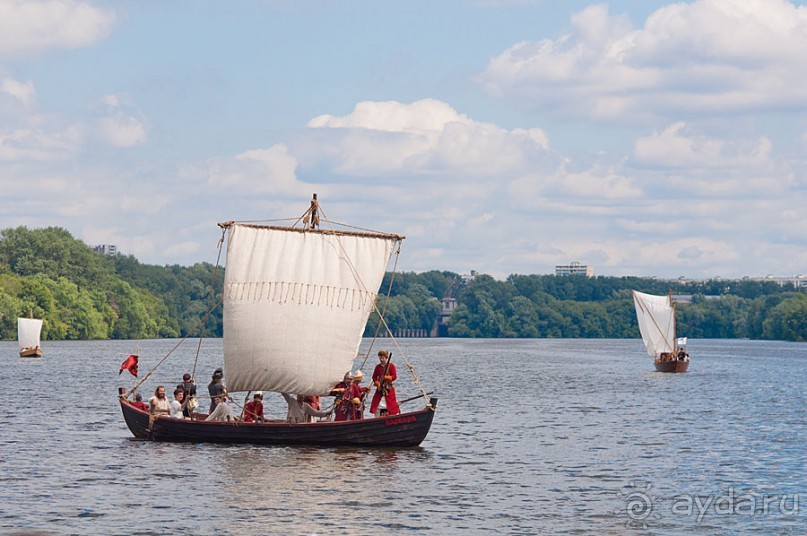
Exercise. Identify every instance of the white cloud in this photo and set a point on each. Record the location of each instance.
(30, 26)
(34, 144)
(706, 56)
(23, 92)
(121, 123)
(121, 130)
(675, 147)
(426, 137)
(258, 171)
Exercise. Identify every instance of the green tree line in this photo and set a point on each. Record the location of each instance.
(541, 306)
(48, 274)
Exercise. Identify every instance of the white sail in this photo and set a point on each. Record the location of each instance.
(656, 317)
(295, 305)
(28, 331)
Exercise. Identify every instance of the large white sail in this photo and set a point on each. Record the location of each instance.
(295, 305)
(28, 332)
(656, 317)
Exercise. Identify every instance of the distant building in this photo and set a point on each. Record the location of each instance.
(106, 249)
(448, 305)
(574, 268)
(798, 281)
(469, 277)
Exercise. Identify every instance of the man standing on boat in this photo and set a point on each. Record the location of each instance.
(358, 376)
(384, 400)
(216, 388)
(189, 386)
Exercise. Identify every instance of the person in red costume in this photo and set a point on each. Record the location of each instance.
(139, 404)
(358, 376)
(253, 411)
(348, 399)
(384, 400)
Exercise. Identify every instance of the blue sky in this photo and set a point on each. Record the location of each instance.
(644, 138)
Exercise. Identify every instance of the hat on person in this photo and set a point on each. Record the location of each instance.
(358, 375)
(258, 394)
(383, 353)
(348, 375)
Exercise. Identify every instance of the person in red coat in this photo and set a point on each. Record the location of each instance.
(253, 411)
(348, 399)
(384, 399)
(139, 404)
(358, 376)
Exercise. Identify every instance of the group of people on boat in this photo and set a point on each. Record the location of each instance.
(679, 355)
(349, 399)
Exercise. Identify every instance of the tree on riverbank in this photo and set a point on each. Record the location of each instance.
(84, 295)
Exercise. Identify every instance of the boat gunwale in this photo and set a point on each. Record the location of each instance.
(277, 422)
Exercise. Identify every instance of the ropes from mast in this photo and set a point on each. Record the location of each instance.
(317, 209)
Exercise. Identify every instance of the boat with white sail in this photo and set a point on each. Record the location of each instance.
(296, 300)
(657, 324)
(29, 331)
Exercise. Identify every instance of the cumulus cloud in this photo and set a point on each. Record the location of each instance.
(704, 56)
(426, 137)
(22, 92)
(258, 171)
(676, 147)
(39, 144)
(30, 26)
(121, 124)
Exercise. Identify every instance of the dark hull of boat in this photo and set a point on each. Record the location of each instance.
(672, 366)
(404, 430)
(31, 352)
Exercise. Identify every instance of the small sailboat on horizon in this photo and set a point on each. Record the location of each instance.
(656, 318)
(28, 333)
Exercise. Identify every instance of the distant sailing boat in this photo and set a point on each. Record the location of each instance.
(28, 332)
(656, 317)
(296, 301)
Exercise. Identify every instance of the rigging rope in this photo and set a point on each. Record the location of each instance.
(183, 339)
(380, 315)
(209, 298)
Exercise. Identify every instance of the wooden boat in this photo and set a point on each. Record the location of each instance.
(296, 300)
(673, 365)
(656, 318)
(28, 334)
(403, 430)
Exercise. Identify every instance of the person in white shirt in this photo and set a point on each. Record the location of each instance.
(223, 411)
(301, 411)
(158, 404)
(178, 404)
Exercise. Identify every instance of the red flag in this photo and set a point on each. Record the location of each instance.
(130, 364)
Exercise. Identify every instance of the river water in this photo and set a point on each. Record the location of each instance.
(530, 437)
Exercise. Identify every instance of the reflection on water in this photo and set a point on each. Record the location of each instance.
(530, 437)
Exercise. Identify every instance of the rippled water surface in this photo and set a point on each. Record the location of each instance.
(530, 436)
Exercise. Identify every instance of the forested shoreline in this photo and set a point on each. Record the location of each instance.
(81, 294)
